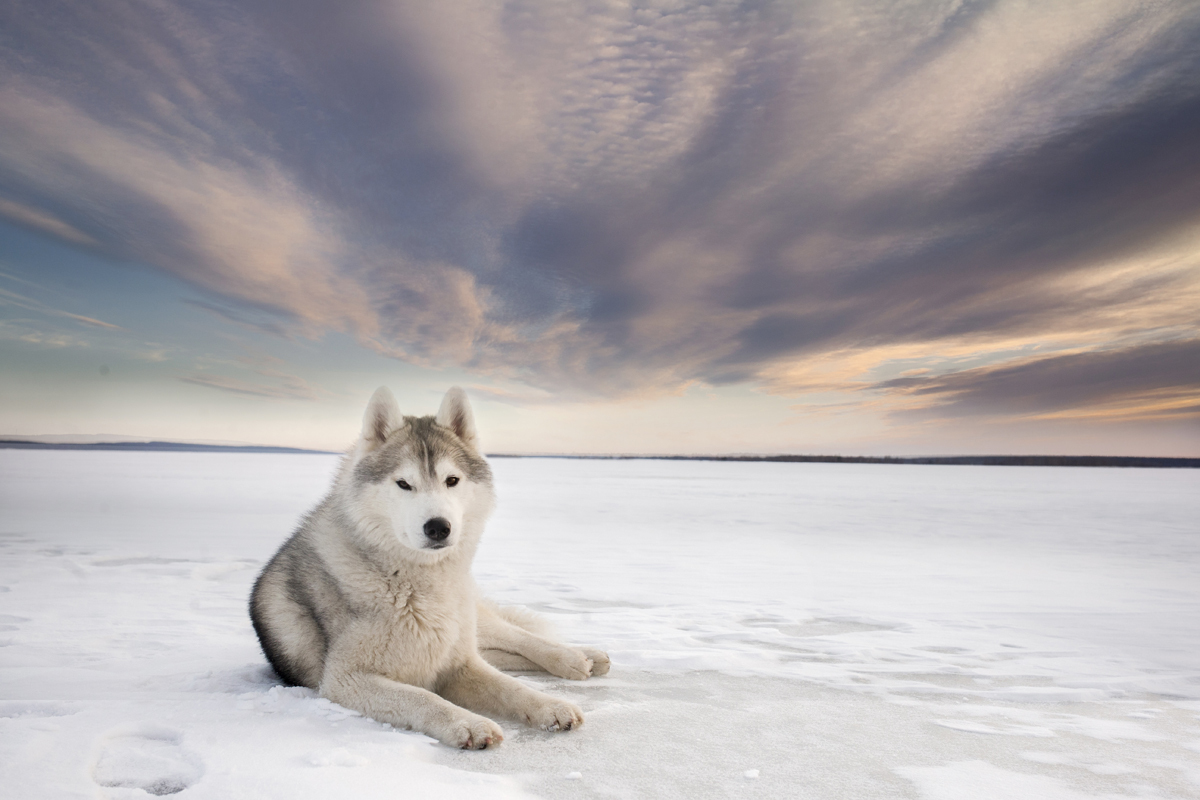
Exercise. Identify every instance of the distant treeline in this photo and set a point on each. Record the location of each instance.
(990, 461)
(175, 447)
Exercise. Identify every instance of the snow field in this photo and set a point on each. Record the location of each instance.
(777, 630)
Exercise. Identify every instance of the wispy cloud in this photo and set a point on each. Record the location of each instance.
(52, 339)
(1151, 380)
(630, 198)
(20, 301)
(42, 221)
(271, 326)
(279, 383)
(288, 390)
(512, 397)
(152, 353)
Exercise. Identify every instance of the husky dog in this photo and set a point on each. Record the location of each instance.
(371, 601)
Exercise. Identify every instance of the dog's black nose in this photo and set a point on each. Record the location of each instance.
(437, 529)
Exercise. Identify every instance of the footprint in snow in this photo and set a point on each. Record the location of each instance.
(146, 757)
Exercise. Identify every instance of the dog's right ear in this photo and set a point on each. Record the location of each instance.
(382, 417)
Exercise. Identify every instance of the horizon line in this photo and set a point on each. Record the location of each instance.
(959, 460)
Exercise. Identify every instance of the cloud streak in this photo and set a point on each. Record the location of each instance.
(292, 390)
(635, 197)
(1157, 380)
(29, 304)
(280, 385)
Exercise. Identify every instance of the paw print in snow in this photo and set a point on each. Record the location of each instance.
(146, 757)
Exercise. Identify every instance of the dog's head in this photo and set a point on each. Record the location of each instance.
(421, 480)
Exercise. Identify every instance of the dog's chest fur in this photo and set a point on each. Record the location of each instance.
(418, 626)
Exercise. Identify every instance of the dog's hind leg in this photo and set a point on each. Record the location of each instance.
(521, 617)
(514, 662)
(291, 638)
(513, 646)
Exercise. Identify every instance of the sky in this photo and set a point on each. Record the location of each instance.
(624, 227)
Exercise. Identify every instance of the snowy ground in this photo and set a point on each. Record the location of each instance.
(777, 630)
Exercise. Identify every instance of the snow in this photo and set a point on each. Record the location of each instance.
(777, 630)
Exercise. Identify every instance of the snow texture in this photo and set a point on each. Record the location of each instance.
(777, 630)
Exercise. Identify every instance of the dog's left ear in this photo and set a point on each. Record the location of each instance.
(456, 415)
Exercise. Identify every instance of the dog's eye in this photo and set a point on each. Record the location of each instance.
(404, 485)
(452, 480)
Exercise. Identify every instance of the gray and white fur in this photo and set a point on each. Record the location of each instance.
(371, 601)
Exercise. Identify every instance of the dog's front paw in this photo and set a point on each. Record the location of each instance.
(556, 715)
(473, 733)
(570, 663)
(599, 659)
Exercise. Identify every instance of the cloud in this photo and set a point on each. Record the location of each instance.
(275, 328)
(514, 398)
(20, 301)
(238, 229)
(155, 353)
(281, 384)
(1159, 380)
(97, 323)
(298, 391)
(614, 199)
(41, 221)
(43, 338)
